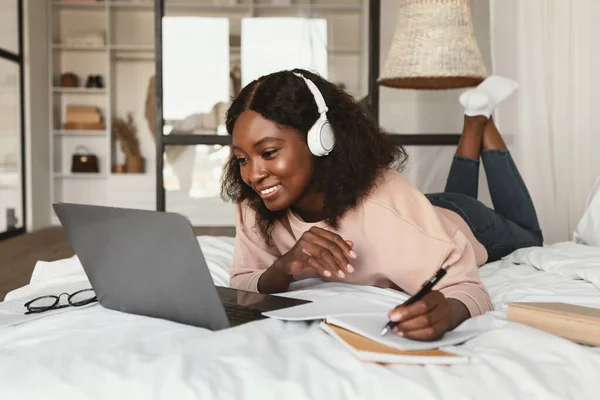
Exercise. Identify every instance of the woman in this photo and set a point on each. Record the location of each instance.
(347, 215)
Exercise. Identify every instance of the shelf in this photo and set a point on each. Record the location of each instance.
(232, 50)
(323, 8)
(132, 52)
(133, 58)
(79, 176)
(125, 175)
(186, 6)
(84, 5)
(68, 47)
(79, 90)
(132, 47)
(239, 8)
(79, 133)
(131, 5)
(344, 50)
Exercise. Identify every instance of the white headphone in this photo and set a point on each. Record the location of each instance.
(320, 136)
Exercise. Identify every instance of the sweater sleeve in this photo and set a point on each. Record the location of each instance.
(251, 256)
(462, 280)
(412, 246)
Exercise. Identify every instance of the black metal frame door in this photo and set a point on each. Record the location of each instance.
(18, 59)
(430, 139)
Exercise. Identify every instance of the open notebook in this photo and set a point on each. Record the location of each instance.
(360, 317)
(369, 326)
(369, 350)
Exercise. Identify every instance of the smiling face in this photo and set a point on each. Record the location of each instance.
(275, 162)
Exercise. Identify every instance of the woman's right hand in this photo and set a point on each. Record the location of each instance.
(322, 250)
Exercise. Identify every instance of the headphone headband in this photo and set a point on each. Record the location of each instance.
(320, 137)
(321, 106)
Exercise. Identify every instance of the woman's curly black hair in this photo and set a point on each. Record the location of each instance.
(346, 175)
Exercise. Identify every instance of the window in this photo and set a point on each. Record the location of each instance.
(12, 165)
(299, 43)
(195, 65)
(339, 41)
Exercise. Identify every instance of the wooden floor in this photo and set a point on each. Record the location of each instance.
(19, 255)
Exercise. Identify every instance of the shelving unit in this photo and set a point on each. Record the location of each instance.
(126, 62)
(71, 132)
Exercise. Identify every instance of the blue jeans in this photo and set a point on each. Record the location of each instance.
(512, 224)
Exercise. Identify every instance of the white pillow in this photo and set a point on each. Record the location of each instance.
(588, 229)
(218, 253)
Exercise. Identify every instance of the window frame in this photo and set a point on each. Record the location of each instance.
(18, 59)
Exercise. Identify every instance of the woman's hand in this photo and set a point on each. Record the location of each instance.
(428, 318)
(319, 249)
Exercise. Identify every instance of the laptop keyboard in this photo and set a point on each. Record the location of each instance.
(239, 315)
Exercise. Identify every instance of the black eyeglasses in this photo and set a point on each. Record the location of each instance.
(46, 303)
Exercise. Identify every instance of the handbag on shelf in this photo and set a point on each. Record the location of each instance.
(84, 162)
(69, 80)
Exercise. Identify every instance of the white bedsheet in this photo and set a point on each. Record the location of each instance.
(98, 353)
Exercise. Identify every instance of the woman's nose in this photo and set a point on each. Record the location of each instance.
(258, 172)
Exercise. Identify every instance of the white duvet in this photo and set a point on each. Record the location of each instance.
(94, 353)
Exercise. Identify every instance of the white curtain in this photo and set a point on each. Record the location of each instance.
(548, 46)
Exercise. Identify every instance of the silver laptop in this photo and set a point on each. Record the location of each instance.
(150, 263)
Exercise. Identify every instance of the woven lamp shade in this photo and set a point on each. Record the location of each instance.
(434, 47)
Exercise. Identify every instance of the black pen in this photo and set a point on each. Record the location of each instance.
(417, 296)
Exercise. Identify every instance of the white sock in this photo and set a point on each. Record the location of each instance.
(494, 89)
(475, 103)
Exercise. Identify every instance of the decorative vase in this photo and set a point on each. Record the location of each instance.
(134, 164)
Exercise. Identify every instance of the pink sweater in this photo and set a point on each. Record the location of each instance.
(400, 238)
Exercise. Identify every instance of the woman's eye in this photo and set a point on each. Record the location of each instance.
(242, 160)
(269, 153)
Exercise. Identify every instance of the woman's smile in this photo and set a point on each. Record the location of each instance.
(269, 192)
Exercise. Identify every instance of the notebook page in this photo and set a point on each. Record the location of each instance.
(332, 306)
(370, 325)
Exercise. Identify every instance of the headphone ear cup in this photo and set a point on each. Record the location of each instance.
(327, 137)
(320, 138)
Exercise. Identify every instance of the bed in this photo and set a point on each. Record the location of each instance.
(102, 354)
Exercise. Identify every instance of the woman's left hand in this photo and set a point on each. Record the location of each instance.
(428, 318)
